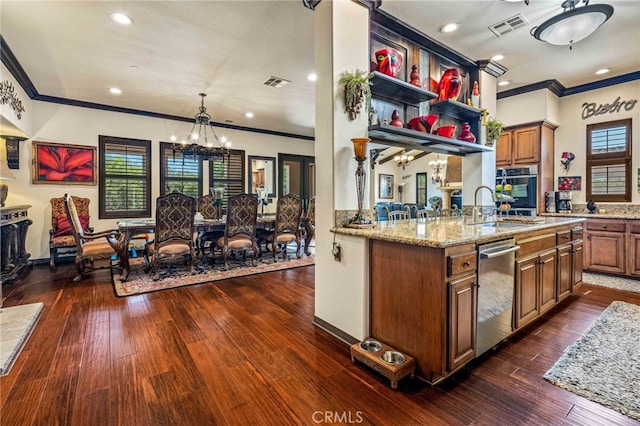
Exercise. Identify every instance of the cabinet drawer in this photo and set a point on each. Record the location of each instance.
(563, 237)
(576, 233)
(635, 227)
(460, 263)
(536, 244)
(606, 225)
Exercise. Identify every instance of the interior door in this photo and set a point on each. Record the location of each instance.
(297, 175)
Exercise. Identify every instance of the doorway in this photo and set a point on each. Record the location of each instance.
(297, 175)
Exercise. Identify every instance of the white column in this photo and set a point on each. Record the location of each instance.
(341, 288)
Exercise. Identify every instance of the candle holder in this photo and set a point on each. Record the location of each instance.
(360, 149)
(217, 194)
(263, 199)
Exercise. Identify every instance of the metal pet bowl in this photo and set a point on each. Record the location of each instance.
(393, 357)
(371, 345)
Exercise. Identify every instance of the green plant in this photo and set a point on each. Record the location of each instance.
(494, 129)
(356, 91)
(435, 202)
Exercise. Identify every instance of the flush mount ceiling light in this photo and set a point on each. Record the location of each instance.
(603, 71)
(497, 57)
(573, 24)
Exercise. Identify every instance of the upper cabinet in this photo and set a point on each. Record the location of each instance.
(404, 86)
(524, 145)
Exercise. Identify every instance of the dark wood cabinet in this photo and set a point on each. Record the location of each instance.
(462, 321)
(564, 271)
(569, 261)
(605, 243)
(577, 263)
(634, 248)
(527, 297)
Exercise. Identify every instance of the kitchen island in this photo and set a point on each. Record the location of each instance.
(423, 278)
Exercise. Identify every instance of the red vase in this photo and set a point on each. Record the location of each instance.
(466, 134)
(389, 61)
(415, 77)
(450, 85)
(395, 119)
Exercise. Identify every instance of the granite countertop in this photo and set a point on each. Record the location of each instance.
(447, 233)
(587, 215)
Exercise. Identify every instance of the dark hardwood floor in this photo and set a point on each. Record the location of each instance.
(245, 352)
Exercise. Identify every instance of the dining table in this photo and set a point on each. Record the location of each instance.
(134, 227)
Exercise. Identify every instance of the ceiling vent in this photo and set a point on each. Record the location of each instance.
(509, 25)
(276, 82)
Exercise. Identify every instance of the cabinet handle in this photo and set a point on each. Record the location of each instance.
(604, 226)
(467, 263)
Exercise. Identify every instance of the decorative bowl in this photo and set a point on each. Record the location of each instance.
(393, 357)
(371, 345)
(446, 131)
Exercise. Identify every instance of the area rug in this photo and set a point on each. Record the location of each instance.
(16, 324)
(604, 364)
(177, 275)
(610, 281)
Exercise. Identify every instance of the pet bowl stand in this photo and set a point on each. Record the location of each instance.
(373, 360)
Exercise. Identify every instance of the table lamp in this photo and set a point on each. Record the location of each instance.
(360, 149)
(5, 173)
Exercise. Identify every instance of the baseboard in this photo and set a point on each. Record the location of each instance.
(334, 331)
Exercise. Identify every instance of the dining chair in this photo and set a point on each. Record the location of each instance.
(173, 232)
(240, 227)
(426, 214)
(61, 239)
(287, 226)
(93, 247)
(396, 215)
(209, 211)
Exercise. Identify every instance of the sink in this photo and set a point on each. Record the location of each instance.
(502, 225)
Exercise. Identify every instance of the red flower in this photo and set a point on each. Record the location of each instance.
(65, 164)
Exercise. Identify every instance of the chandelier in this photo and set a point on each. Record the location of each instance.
(199, 144)
(403, 160)
(437, 166)
(573, 24)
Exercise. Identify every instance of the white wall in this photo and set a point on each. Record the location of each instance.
(82, 126)
(571, 135)
(10, 124)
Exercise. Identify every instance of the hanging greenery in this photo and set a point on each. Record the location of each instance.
(356, 91)
(494, 130)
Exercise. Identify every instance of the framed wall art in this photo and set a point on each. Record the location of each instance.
(570, 183)
(385, 186)
(64, 164)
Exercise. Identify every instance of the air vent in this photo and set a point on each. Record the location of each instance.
(276, 82)
(509, 25)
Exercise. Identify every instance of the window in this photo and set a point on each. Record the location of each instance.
(179, 174)
(609, 161)
(228, 173)
(125, 178)
(421, 188)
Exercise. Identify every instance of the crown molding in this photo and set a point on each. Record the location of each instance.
(11, 62)
(554, 86)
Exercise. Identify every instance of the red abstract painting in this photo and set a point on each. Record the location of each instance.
(64, 164)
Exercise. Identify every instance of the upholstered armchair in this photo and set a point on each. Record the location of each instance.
(240, 226)
(61, 239)
(209, 211)
(94, 250)
(173, 232)
(287, 226)
(309, 226)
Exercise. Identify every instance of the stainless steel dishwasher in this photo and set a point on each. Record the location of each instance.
(496, 270)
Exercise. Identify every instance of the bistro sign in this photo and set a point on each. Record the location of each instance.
(590, 109)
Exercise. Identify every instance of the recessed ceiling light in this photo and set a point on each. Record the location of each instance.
(121, 18)
(497, 57)
(312, 77)
(115, 91)
(448, 28)
(603, 71)
(504, 83)
(249, 115)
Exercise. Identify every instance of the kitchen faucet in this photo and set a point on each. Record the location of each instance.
(475, 212)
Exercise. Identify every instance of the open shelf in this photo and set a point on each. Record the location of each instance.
(456, 110)
(409, 138)
(398, 90)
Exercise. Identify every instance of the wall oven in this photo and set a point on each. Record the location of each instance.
(522, 185)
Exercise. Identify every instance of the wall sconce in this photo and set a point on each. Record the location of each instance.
(403, 160)
(437, 166)
(566, 159)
